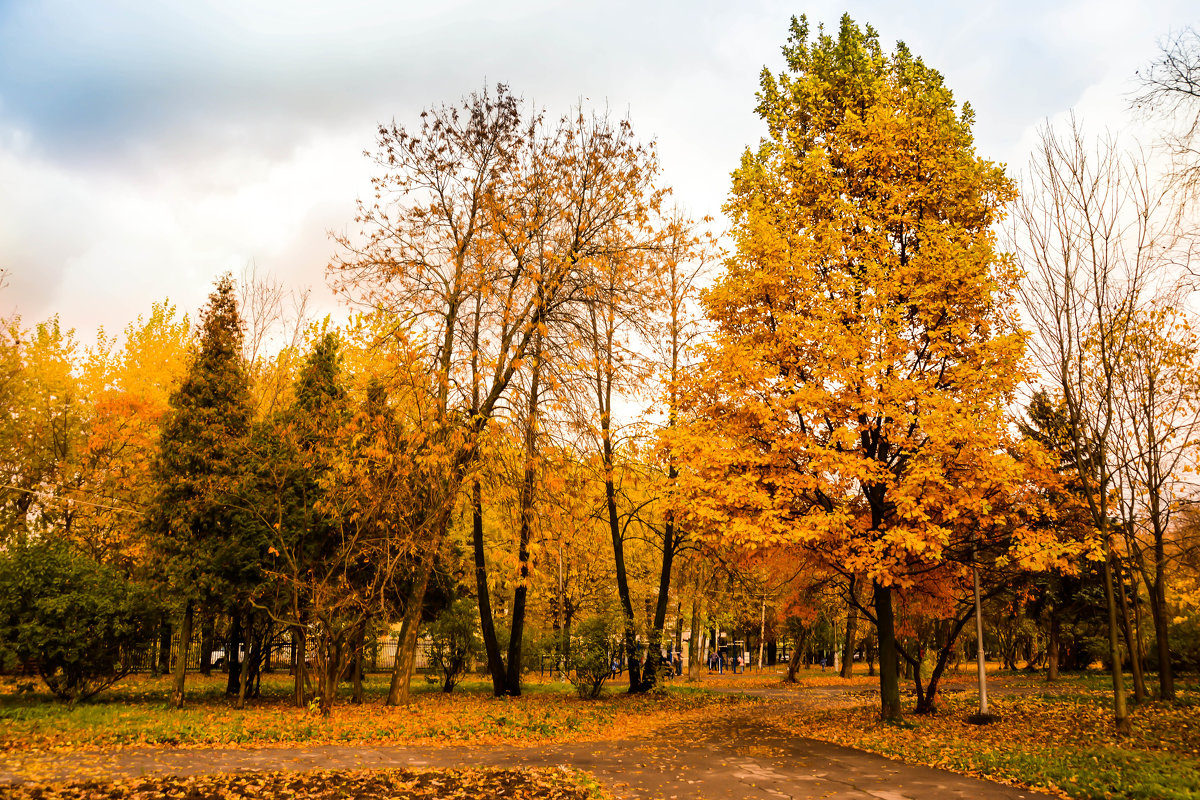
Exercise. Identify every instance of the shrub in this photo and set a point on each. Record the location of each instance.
(81, 621)
(590, 662)
(455, 641)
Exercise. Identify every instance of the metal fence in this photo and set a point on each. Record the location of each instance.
(378, 656)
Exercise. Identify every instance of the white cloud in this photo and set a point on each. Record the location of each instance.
(145, 147)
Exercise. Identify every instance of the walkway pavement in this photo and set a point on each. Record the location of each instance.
(739, 756)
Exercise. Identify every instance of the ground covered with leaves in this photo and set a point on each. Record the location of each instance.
(1056, 737)
(392, 784)
(772, 678)
(136, 713)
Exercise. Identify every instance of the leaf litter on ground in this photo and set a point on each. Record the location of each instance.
(388, 784)
(546, 714)
(1055, 738)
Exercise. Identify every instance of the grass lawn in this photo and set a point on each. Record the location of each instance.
(772, 678)
(135, 711)
(1056, 737)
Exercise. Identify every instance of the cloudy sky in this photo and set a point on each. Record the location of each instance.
(148, 146)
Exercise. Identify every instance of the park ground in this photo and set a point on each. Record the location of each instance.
(745, 736)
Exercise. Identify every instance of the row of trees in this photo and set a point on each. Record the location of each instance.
(826, 432)
(510, 269)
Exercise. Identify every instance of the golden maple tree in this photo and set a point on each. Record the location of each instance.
(854, 394)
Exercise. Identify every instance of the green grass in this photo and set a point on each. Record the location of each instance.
(1058, 737)
(136, 711)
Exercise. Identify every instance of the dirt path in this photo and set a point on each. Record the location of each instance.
(741, 755)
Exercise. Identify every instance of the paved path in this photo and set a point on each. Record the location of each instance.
(735, 756)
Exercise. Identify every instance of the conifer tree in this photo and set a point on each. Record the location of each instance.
(212, 555)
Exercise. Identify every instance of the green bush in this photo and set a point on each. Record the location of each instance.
(82, 622)
(455, 641)
(590, 662)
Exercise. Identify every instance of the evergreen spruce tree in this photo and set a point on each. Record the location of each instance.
(212, 556)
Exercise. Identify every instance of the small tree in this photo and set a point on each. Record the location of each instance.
(455, 641)
(590, 662)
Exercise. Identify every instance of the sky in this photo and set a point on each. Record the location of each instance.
(146, 147)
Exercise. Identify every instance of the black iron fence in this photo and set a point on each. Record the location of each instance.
(378, 656)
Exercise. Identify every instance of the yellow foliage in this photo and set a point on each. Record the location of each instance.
(854, 394)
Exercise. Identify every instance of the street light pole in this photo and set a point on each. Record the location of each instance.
(983, 700)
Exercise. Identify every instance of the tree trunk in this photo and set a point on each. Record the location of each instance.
(695, 654)
(268, 664)
(1052, 650)
(618, 543)
(360, 641)
(678, 649)
(568, 622)
(1136, 602)
(406, 648)
(207, 632)
(244, 672)
(1120, 712)
(185, 636)
(605, 371)
(794, 663)
(299, 648)
(232, 652)
(491, 646)
(889, 682)
(487, 622)
(521, 592)
(913, 671)
(946, 648)
(762, 631)
(851, 637)
(1158, 607)
(517, 631)
(332, 655)
(260, 657)
(654, 646)
(1131, 643)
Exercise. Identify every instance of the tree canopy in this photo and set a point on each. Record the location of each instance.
(854, 396)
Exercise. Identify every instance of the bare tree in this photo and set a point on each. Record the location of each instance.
(1092, 233)
(680, 264)
(419, 257)
(1170, 90)
(1159, 410)
(276, 318)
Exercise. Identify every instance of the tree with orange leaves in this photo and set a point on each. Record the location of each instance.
(481, 241)
(853, 397)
